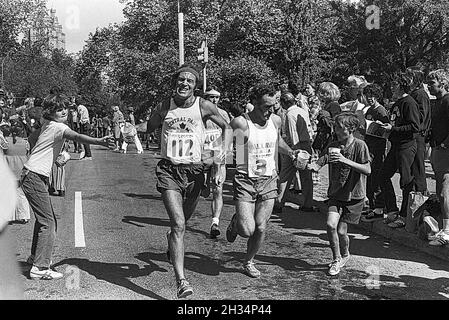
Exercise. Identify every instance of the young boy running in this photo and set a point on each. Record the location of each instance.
(349, 164)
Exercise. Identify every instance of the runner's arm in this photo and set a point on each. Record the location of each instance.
(210, 112)
(156, 118)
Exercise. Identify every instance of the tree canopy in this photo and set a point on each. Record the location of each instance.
(249, 41)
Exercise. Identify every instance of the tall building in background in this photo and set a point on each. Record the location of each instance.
(48, 31)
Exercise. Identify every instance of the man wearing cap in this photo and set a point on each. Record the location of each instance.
(297, 136)
(217, 169)
(180, 174)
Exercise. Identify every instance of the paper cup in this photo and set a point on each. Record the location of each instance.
(302, 159)
(334, 150)
(62, 158)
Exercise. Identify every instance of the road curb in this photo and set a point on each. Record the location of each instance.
(400, 236)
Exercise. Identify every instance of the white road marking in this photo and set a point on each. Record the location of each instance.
(79, 228)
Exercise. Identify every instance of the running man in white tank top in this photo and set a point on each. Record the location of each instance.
(258, 141)
(180, 174)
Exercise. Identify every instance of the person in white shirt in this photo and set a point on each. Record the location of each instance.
(84, 123)
(35, 178)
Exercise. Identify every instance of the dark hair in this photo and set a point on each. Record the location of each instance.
(288, 99)
(374, 90)
(235, 110)
(347, 120)
(293, 87)
(417, 75)
(211, 87)
(52, 103)
(38, 102)
(405, 81)
(260, 90)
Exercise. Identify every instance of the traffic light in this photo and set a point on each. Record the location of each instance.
(203, 52)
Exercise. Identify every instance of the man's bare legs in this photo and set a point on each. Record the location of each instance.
(179, 213)
(252, 219)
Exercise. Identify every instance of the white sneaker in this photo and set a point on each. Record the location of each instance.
(46, 274)
(334, 267)
(440, 240)
(82, 154)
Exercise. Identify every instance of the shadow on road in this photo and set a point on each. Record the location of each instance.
(193, 261)
(286, 263)
(313, 225)
(117, 273)
(403, 287)
(158, 222)
(145, 196)
(146, 220)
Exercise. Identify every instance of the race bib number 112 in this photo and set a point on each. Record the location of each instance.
(181, 146)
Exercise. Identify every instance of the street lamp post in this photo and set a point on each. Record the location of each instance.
(181, 35)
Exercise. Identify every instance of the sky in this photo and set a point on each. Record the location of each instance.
(81, 17)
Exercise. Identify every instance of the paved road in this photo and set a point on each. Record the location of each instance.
(124, 258)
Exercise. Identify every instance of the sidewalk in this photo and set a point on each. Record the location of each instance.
(379, 228)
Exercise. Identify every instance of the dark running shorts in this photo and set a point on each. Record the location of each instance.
(350, 211)
(253, 189)
(188, 179)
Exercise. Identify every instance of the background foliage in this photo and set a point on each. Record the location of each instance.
(130, 64)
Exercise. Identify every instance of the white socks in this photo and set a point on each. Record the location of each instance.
(378, 211)
(215, 221)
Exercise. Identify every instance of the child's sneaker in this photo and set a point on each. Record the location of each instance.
(46, 274)
(441, 239)
(334, 267)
